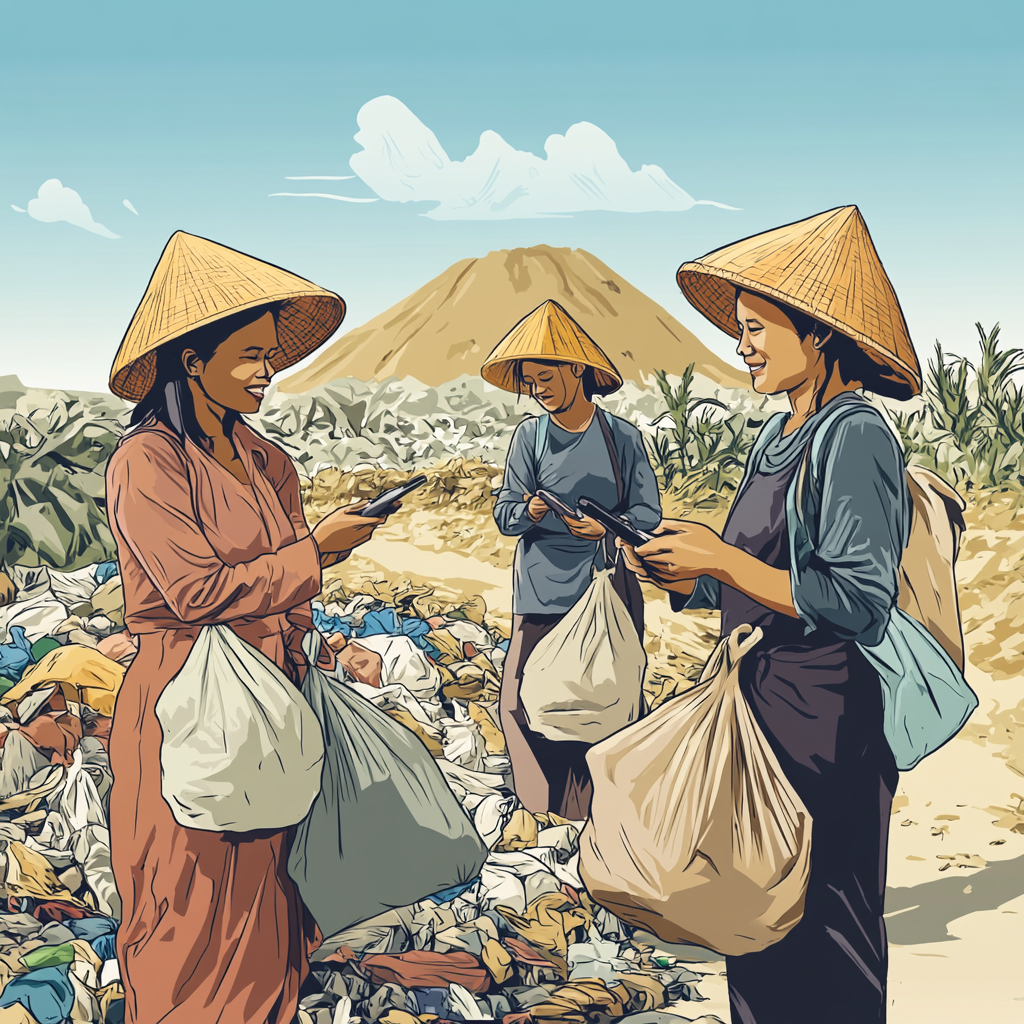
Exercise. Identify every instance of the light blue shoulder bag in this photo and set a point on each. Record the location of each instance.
(925, 697)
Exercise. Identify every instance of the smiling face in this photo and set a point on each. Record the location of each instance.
(778, 359)
(557, 387)
(238, 372)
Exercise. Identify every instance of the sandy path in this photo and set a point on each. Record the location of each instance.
(956, 932)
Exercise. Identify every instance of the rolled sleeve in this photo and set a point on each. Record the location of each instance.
(520, 478)
(850, 583)
(641, 485)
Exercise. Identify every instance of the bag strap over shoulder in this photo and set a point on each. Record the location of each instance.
(538, 444)
(606, 432)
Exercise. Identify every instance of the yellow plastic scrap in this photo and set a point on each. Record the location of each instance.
(494, 739)
(519, 834)
(29, 874)
(648, 992)
(84, 675)
(449, 647)
(548, 922)
(497, 960)
(432, 743)
(578, 999)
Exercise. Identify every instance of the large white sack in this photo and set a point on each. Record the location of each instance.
(242, 749)
(584, 679)
(695, 834)
(403, 663)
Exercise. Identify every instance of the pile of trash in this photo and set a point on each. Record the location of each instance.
(63, 655)
(523, 943)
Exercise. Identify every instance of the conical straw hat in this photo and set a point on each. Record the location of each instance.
(825, 266)
(548, 333)
(198, 282)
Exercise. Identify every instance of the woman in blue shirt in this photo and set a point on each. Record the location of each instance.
(817, 321)
(581, 451)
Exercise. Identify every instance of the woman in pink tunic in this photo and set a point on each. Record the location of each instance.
(209, 528)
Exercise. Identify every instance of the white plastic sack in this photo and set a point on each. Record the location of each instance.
(403, 663)
(467, 632)
(74, 588)
(39, 614)
(463, 741)
(80, 802)
(242, 750)
(695, 834)
(385, 830)
(91, 849)
(584, 679)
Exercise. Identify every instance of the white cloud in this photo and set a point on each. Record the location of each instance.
(325, 195)
(402, 161)
(17, 209)
(319, 177)
(130, 207)
(55, 202)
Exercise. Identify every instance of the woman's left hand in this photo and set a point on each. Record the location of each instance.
(683, 550)
(585, 528)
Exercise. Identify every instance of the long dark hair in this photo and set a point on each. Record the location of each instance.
(169, 400)
(839, 353)
(589, 378)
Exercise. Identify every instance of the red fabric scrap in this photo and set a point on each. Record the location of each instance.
(526, 954)
(421, 968)
(55, 734)
(51, 910)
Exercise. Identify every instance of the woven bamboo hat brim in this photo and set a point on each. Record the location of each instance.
(825, 266)
(548, 333)
(198, 282)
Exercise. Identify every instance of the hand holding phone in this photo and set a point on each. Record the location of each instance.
(557, 506)
(385, 504)
(614, 524)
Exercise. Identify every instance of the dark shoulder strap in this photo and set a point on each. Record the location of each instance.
(606, 431)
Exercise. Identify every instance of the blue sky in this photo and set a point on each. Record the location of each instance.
(196, 112)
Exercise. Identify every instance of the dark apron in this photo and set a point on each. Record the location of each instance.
(819, 703)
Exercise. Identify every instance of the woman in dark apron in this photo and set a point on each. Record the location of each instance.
(575, 450)
(812, 692)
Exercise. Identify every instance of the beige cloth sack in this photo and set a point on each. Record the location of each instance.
(584, 680)
(927, 573)
(695, 834)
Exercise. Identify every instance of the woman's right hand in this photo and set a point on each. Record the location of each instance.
(643, 572)
(344, 529)
(536, 508)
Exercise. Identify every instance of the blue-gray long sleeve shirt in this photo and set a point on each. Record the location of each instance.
(861, 511)
(552, 567)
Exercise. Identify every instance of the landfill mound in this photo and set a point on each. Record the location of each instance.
(450, 325)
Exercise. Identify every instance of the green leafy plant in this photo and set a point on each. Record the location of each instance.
(53, 506)
(699, 451)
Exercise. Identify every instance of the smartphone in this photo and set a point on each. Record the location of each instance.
(611, 522)
(557, 506)
(383, 504)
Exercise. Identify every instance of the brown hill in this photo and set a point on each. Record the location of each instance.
(449, 326)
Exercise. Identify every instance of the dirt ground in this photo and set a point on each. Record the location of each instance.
(956, 853)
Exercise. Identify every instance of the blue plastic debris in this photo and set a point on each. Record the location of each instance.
(444, 895)
(105, 571)
(46, 994)
(16, 656)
